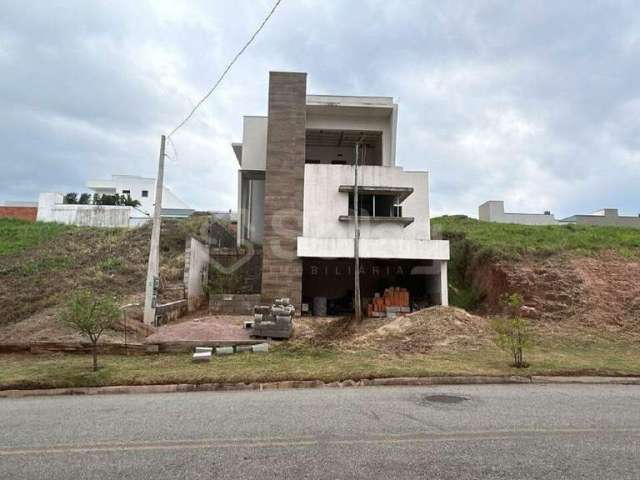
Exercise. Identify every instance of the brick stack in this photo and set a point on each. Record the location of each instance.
(394, 300)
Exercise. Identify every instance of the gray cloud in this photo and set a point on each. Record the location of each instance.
(533, 102)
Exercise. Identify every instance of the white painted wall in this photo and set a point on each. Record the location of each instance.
(493, 211)
(323, 203)
(411, 249)
(51, 209)
(136, 185)
(254, 143)
(325, 236)
(196, 272)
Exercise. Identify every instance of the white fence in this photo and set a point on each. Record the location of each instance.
(52, 209)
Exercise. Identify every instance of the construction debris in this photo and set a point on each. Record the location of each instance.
(393, 301)
(224, 351)
(275, 321)
(202, 354)
(260, 348)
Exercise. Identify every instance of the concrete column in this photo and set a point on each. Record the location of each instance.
(284, 187)
(444, 284)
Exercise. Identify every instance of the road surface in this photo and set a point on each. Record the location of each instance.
(448, 432)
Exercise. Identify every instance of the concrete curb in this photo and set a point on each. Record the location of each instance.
(289, 384)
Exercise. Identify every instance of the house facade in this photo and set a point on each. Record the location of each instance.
(606, 217)
(295, 199)
(142, 189)
(493, 211)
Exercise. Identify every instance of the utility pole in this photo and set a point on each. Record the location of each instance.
(356, 239)
(153, 268)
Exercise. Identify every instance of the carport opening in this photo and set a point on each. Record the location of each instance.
(328, 284)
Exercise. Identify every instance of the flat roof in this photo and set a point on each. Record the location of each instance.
(349, 100)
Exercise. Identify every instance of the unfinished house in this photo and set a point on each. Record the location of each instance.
(296, 201)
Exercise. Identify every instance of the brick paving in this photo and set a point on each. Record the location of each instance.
(212, 328)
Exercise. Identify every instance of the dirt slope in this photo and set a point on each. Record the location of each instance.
(599, 290)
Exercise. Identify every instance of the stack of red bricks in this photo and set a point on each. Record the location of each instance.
(393, 300)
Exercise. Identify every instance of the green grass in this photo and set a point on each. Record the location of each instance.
(18, 235)
(551, 357)
(510, 239)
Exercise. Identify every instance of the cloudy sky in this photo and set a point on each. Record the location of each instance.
(536, 103)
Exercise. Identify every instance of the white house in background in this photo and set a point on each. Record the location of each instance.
(295, 199)
(143, 190)
(493, 211)
(606, 217)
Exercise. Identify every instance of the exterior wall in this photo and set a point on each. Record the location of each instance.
(493, 211)
(323, 203)
(605, 218)
(284, 184)
(171, 204)
(374, 248)
(196, 272)
(254, 143)
(235, 304)
(51, 209)
(21, 213)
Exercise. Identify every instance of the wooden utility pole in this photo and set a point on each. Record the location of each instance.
(356, 240)
(153, 268)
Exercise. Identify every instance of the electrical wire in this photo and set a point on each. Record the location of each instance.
(226, 70)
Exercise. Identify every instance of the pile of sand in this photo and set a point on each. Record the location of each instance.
(427, 330)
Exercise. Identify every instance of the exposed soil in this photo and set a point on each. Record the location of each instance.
(600, 290)
(422, 331)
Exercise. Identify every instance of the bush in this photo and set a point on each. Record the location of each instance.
(90, 315)
(513, 333)
(70, 198)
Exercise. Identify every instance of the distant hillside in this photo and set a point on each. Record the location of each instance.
(41, 263)
(590, 275)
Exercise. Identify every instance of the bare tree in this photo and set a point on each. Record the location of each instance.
(90, 314)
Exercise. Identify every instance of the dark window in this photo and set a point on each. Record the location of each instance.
(126, 192)
(376, 205)
(338, 162)
(145, 193)
(312, 161)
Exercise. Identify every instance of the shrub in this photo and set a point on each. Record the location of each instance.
(70, 198)
(513, 333)
(90, 315)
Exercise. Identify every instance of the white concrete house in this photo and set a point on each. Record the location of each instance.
(143, 190)
(493, 211)
(606, 217)
(295, 198)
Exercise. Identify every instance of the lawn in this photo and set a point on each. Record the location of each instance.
(17, 235)
(550, 357)
(510, 239)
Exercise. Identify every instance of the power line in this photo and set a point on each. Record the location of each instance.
(224, 73)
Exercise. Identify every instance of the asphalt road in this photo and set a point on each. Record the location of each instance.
(511, 432)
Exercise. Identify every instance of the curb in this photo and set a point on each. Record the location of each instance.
(292, 384)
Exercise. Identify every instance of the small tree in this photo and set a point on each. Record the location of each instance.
(513, 333)
(84, 199)
(90, 314)
(130, 202)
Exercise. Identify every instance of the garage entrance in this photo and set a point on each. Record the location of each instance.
(327, 284)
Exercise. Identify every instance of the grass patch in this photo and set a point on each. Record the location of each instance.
(17, 235)
(552, 356)
(511, 240)
(112, 264)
